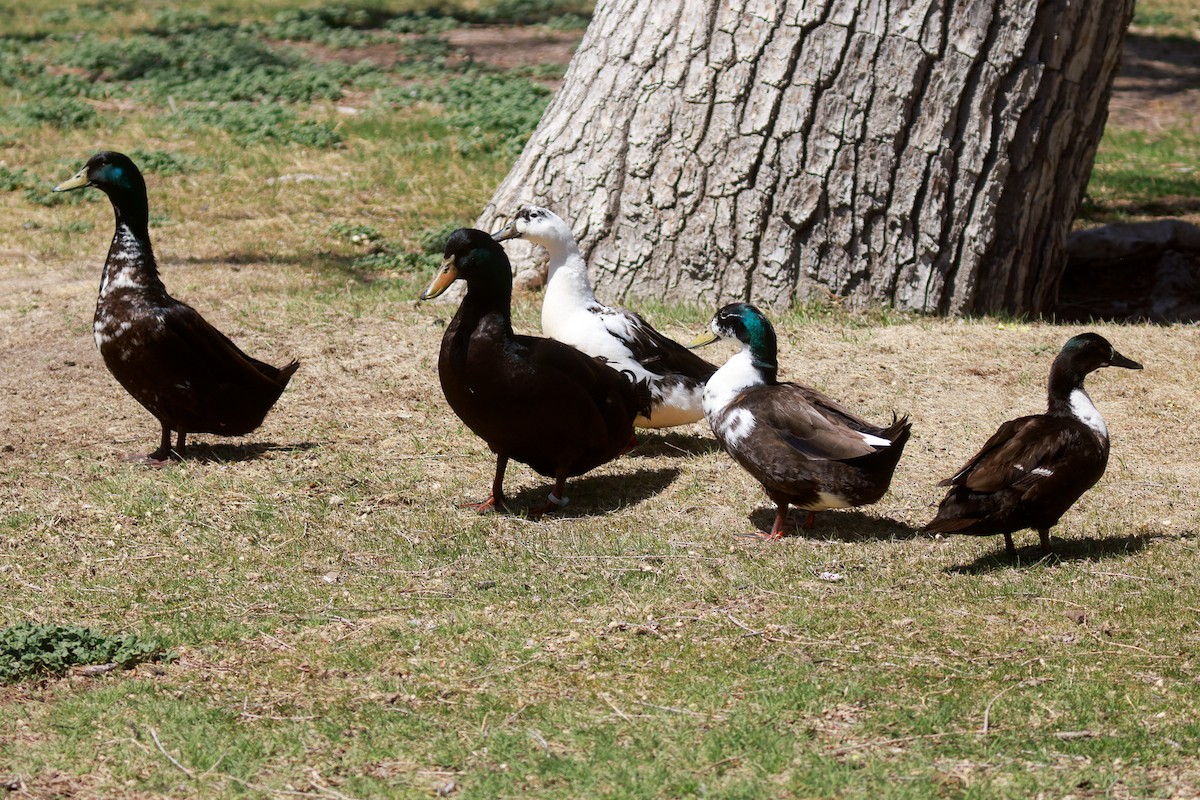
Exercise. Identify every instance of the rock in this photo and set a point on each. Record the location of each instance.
(1132, 271)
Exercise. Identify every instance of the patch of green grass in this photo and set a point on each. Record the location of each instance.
(1175, 17)
(1144, 173)
(210, 65)
(61, 112)
(254, 123)
(485, 113)
(167, 162)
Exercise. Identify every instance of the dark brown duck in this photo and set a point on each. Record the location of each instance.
(184, 371)
(1034, 468)
(805, 449)
(534, 400)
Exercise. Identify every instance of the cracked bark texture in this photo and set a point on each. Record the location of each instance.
(929, 154)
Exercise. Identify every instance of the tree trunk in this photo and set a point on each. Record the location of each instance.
(928, 154)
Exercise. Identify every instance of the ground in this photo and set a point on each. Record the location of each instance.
(343, 629)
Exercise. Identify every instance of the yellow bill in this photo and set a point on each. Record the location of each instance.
(78, 181)
(708, 337)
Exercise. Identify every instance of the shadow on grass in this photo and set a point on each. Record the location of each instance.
(246, 451)
(652, 445)
(596, 495)
(1086, 549)
(843, 525)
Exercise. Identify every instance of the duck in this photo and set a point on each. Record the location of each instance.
(804, 448)
(181, 369)
(572, 314)
(1034, 468)
(531, 399)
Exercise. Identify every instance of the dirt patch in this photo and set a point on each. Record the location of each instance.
(1159, 84)
(512, 47)
(499, 47)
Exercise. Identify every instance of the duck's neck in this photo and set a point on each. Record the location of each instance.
(130, 265)
(487, 295)
(567, 284)
(1067, 398)
(741, 372)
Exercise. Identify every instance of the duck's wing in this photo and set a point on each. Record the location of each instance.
(540, 401)
(657, 353)
(209, 355)
(808, 430)
(1023, 454)
(835, 412)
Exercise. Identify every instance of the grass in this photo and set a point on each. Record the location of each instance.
(1144, 173)
(341, 629)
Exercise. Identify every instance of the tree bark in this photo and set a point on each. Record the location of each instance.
(928, 154)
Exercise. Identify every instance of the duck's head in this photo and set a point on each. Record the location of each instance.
(1088, 352)
(115, 174)
(538, 225)
(476, 258)
(749, 326)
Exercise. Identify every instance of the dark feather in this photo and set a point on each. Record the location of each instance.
(1033, 469)
(534, 400)
(185, 372)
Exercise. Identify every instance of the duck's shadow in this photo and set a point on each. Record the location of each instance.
(653, 445)
(1086, 549)
(205, 453)
(848, 525)
(598, 494)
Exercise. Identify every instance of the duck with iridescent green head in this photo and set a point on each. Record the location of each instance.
(805, 449)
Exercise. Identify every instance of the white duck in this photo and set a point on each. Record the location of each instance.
(572, 314)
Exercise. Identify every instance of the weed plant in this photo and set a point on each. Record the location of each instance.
(32, 650)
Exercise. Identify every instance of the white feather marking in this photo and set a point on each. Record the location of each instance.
(738, 375)
(1045, 473)
(825, 501)
(124, 279)
(875, 441)
(1085, 411)
(735, 426)
(125, 253)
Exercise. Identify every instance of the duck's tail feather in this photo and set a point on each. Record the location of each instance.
(643, 397)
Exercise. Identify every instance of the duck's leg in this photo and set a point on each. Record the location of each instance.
(160, 457)
(810, 521)
(496, 500)
(1044, 535)
(180, 446)
(1008, 545)
(781, 512)
(556, 500)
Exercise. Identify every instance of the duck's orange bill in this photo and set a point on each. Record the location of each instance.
(445, 276)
